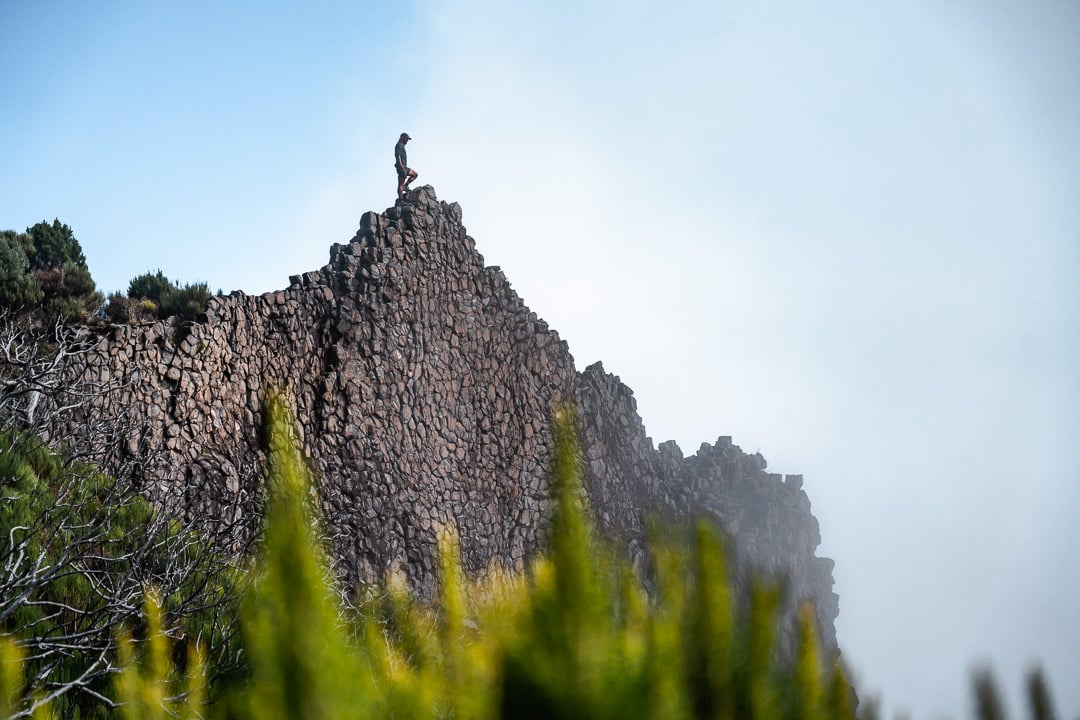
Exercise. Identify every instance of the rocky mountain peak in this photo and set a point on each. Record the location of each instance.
(424, 387)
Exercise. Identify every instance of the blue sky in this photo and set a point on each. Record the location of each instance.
(844, 233)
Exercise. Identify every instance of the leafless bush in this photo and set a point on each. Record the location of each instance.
(79, 546)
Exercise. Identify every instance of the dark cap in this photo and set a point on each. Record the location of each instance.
(405, 136)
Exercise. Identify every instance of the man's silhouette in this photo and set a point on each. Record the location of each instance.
(405, 174)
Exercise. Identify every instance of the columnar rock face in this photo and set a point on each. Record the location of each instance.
(766, 516)
(423, 389)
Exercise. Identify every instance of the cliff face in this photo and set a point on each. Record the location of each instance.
(423, 389)
(767, 516)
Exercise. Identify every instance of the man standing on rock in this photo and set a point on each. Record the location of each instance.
(405, 174)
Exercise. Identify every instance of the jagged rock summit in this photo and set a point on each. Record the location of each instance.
(423, 388)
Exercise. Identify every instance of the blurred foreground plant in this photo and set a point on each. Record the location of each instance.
(575, 636)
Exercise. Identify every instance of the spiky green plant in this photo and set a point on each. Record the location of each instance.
(150, 686)
(301, 665)
(575, 636)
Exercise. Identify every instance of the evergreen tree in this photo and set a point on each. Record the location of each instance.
(18, 287)
(53, 246)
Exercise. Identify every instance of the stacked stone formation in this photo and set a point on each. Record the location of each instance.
(766, 516)
(423, 390)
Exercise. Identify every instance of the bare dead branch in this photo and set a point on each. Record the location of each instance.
(82, 547)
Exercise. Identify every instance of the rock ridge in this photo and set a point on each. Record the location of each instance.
(423, 388)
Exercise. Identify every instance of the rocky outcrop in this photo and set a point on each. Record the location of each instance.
(423, 388)
(766, 516)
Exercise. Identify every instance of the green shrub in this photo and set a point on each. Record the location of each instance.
(119, 309)
(43, 271)
(576, 636)
(301, 664)
(150, 286)
(69, 292)
(122, 309)
(18, 287)
(186, 303)
(64, 281)
(78, 547)
(54, 246)
(164, 299)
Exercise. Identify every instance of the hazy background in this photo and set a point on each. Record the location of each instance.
(844, 233)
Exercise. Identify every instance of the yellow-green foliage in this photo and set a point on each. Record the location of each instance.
(301, 665)
(11, 686)
(11, 659)
(150, 686)
(575, 636)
